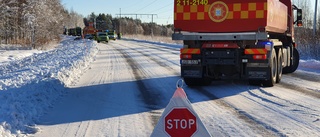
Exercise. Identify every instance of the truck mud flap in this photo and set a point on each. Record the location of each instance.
(258, 73)
(192, 71)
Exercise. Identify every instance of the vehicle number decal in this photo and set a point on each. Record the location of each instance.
(190, 62)
(191, 2)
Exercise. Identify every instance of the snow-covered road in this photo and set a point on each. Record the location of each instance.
(129, 84)
(121, 88)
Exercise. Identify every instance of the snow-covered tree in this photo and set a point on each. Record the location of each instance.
(34, 22)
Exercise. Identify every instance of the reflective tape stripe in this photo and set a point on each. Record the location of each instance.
(255, 51)
(190, 51)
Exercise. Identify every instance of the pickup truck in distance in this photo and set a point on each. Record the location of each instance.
(102, 36)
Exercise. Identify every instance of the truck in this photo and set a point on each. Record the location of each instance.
(251, 40)
(90, 31)
(77, 31)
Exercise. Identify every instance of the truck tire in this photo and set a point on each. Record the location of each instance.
(295, 62)
(272, 70)
(280, 62)
(197, 81)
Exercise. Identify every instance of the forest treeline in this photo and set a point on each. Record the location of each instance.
(126, 25)
(38, 22)
(33, 22)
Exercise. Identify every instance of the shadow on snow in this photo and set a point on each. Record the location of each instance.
(105, 101)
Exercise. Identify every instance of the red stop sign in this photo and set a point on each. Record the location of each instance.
(180, 122)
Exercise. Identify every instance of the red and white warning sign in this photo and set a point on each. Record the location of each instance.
(180, 122)
(179, 119)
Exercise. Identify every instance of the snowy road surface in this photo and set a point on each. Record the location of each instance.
(126, 88)
(82, 88)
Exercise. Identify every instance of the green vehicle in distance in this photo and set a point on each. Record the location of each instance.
(112, 35)
(102, 36)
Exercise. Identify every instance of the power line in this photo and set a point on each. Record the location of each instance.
(134, 14)
(162, 7)
(147, 5)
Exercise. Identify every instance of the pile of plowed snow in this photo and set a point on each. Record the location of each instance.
(29, 86)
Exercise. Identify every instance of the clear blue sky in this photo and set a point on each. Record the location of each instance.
(163, 8)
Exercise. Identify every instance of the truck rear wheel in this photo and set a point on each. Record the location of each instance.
(272, 70)
(197, 81)
(280, 61)
(295, 62)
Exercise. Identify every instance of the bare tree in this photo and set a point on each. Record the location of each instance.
(34, 22)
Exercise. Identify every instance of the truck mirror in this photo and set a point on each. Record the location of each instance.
(299, 17)
(299, 14)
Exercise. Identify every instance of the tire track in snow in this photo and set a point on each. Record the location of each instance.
(294, 106)
(273, 101)
(285, 113)
(160, 48)
(172, 52)
(285, 108)
(244, 116)
(303, 82)
(299, 88)
(315, 77)
(149, 97)
(159, 62)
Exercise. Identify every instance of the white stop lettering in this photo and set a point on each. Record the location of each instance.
(180, 123)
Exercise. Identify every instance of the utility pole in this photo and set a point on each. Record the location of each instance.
(315, 19)
(120, 22)
(95, 22)
(136, 24)
(152, 25)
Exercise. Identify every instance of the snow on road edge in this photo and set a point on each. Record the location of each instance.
(29, 86)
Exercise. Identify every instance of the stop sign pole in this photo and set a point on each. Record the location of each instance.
(179, 119)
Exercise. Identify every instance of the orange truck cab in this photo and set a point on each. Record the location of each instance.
(236, 39)
(90, 30)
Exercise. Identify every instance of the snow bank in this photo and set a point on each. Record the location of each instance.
(30, 85)
(10, 55)
(310, 65)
